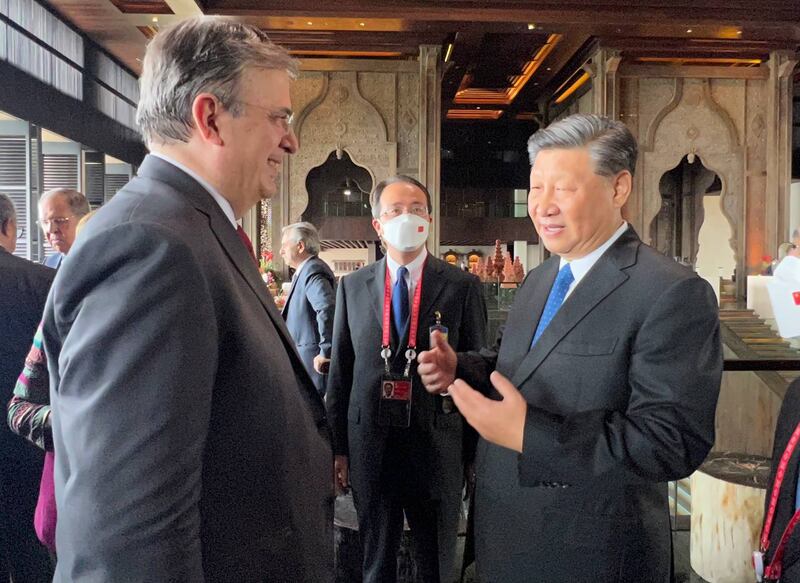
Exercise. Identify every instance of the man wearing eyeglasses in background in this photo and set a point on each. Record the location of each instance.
(60, 210)
(399, 446)
(23, 291)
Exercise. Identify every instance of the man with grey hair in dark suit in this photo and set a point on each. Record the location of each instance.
(602, 387)
(180, 404)
(309, 306)
(23, 291)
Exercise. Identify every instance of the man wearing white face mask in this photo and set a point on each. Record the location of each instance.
(397, 445)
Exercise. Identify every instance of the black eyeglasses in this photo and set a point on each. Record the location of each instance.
(21, 234)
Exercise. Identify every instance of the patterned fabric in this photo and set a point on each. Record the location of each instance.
(29, 408)
(557, 294)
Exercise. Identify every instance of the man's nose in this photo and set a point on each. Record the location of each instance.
(290, 143)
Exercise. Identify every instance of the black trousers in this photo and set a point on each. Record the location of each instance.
(382, 502)
(22, 556)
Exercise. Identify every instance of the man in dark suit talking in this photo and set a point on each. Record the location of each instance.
(399, 446)
(179, 401)
(602, 388)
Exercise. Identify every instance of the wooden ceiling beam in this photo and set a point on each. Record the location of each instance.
(587, 12)
(466, 50)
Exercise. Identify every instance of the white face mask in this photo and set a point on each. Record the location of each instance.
(406, 232)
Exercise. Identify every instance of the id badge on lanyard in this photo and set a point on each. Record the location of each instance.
(771, 572)
(394, 409)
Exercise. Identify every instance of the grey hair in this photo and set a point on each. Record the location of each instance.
(375, 199)
(611, 144)
(199, 55)
(7, 212)
(305, 232)
(76, 201)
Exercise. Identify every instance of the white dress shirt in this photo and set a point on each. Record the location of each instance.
(580, 267)
(221, 200)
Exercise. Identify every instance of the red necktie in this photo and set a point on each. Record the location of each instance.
(247, 242)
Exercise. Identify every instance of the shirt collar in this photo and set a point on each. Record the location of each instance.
(223, 203)
(414, 268)
(580, 267)
(300, 267)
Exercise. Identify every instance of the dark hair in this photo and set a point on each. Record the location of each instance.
(375, 199)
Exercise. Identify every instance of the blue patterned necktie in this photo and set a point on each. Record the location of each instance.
(400, 302)
(557, 294)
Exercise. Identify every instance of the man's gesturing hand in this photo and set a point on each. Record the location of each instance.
(437, 366)
(500, 422)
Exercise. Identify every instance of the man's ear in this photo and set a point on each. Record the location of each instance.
(206, 112)
(376, 224)
(622, 184)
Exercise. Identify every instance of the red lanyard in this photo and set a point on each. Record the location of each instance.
(773, 570)
(414, 324)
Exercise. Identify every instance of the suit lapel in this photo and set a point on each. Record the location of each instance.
(432, 285)
(374, 285)
(605, 276)
(161, 170)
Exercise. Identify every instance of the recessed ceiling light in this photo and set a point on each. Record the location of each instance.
(738, 32)
(478, 107)
(688, 30)
(155, 19)
(549, 68)
(362, 24)
(309, 23)
(531, 26)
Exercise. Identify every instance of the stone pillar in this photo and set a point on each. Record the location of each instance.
(779, 148)
(280, 217)
(430, 130)
(605, 83)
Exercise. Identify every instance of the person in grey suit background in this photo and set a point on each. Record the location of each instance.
(606, 380)
(411, 464)
(60, 209)
(308, 310)
(179, 401)
(23, 291)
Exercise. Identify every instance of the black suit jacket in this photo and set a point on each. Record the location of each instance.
(621, 389)
(309, 314)
(23, 291)
(788, 419)
(353, 385)
(180, 403)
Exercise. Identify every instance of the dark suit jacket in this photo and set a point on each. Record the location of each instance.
(622, 388)
(356, 367)
(309, 314)
(788, 419)
(23, 291)
(180, 403)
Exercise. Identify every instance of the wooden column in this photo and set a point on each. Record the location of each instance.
(430, 132)
(779, 149)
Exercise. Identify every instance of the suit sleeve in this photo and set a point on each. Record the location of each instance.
(668, 427)
(340, 376)
(319, 292)
(472, 335)
(137, 359)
